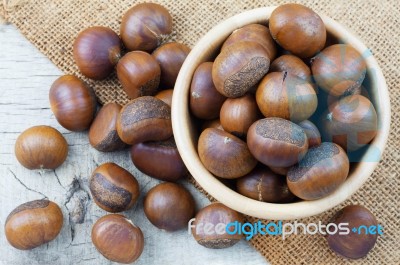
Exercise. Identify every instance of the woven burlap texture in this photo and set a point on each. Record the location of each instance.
(53, 25)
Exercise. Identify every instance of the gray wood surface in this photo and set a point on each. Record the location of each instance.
(25, 78)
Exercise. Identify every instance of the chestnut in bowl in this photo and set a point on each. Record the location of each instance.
(205, 100)
(186, 137)
(224, 154)
(277, 142)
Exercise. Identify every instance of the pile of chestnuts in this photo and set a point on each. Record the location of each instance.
(258, 101)
(282, 109)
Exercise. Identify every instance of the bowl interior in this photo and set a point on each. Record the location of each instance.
(186, 135)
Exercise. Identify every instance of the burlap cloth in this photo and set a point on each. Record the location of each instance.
(53, 25)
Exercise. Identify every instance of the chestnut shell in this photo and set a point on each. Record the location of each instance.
(322, 170)
(353, 245)
(96, 52)
(33, 224)
(224, 154)
(73, 103)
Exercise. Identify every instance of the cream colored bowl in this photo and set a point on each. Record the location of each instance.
(185, 136)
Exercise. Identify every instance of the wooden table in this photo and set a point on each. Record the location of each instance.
(25, 78)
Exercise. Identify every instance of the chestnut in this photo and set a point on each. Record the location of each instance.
(350, 122)
(144, 119)
(291, 64)
(96, 52)
(113, 188)
(205, 100)
(212, 124)
(277, 142)
(169, 206)
(284, 95)
(254, 33)
(160, 160)
(166, 96)
(262, 184)
(280, 170)
(238, 114)
(224, 154)
(117, 238)
(354, 245)
(217, 216)
(33, 224)
(339, 70)
(312, 133)
(103, 134)
(170, 57)
(139, 74)
(298, 29)
(144, 25)
(41, 147)
(323, 169)
(239, 67)
(73, 103)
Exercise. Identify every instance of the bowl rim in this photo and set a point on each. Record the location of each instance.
(203, 50)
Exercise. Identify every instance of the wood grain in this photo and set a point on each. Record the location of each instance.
(25, 78)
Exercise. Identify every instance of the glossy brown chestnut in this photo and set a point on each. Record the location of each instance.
(73, 103)
(238, 114)
(239, 67)
(284, 95)
(354, 245)
(170, 56)
(205, 100)
(212, 124)
(96, 52)
(350, 122)
(33, 224)
(312, 132)
(160, 160)
(144, 25)
(41, 147)
(169, 206)
(103, 134)
(323, 169)
(291, 64)
(139, 74)
(339, 70)
(117, 238)
(166, 96)
(224, 154)
(264, 185)
(298, 29)
(144, 119)
(277, 142)
(254, 33)
(217, 216)
(113, 188)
